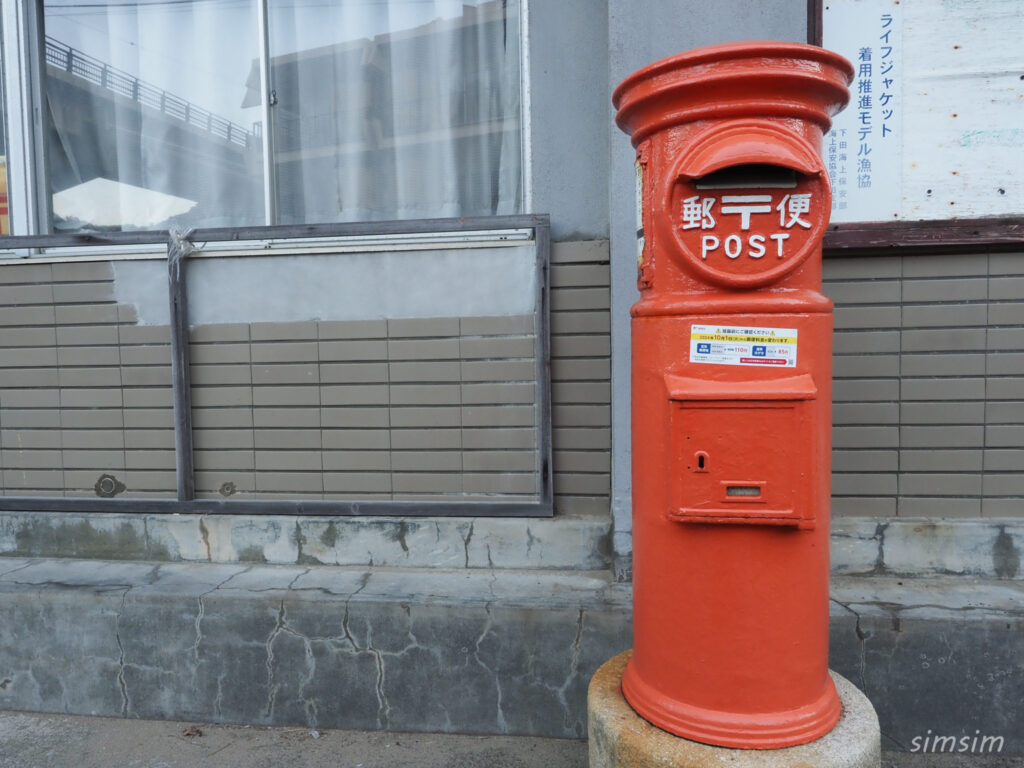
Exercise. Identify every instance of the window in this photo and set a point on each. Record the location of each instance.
(210, 113)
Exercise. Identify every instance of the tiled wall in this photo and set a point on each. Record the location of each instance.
(580, 376)
(929, 393)
(405, 409)
(929, 385)
(84, 391)
(382, 409)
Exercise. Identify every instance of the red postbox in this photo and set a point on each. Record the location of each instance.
(732, 373)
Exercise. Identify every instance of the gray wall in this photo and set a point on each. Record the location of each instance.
(570, 105)
(639, 33)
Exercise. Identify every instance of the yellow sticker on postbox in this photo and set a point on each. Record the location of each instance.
(738, 345)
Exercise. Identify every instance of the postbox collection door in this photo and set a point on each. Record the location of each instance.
(740, 462)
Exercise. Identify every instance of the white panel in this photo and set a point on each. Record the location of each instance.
(863, 149)
(361, 286)
(959, 109)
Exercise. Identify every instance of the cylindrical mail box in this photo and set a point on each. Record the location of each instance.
(731, 393)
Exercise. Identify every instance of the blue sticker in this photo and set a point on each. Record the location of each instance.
(760, 351)
(703, 349)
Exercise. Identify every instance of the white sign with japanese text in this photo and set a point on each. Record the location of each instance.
(863, 150)
(933, 129)
(720, 345)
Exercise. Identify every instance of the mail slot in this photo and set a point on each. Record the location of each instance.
(736, 451)
(731, 393)
(745, 204)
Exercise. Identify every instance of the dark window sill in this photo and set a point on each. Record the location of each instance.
(925, 238)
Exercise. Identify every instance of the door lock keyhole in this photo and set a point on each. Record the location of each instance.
(702, 461)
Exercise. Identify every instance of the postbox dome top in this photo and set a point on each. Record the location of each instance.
(734, 80)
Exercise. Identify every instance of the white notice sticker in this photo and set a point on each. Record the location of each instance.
(736, 345)
(639, 214)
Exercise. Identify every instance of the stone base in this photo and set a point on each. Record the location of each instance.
(620, 738)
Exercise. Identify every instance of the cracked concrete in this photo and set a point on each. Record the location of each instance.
(564, 542)
(941, 655)
(459, 650)
(126, 702)
(987, 548)
(316, 646)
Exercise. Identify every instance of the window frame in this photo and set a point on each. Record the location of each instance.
(21, 88)
(22, 42)
(304, 239)
(914, 237)
(22, 92)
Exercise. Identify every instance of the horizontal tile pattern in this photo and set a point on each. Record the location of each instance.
(929, 389)
(84, 393)
(928, 414)
(580, 376)
(435, 409)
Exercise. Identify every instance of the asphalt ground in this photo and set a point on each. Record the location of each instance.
(56, 741)
(30, 740)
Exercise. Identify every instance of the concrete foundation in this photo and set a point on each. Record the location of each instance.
(620, 738)
(860, 546)
(565, 542)
(466, 650)
(318, 646)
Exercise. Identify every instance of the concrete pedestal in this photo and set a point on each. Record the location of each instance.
(620, 738)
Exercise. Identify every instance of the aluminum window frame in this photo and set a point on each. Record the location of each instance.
(23, 69)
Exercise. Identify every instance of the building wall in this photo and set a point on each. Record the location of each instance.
(401, 409)
(75, 382)
(928, 413)
(91, 382)
(929, 385)
(580, 376)
(425, 408)
(927, 353)
(570, 102)
(641, 32)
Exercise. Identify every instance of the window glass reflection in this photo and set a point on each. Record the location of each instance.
(395, 108)
(5, 212)
(380, 109)
(148, 125)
